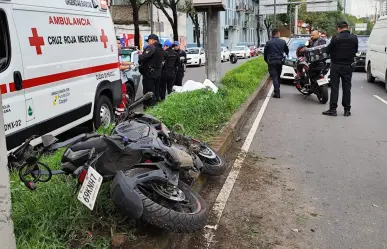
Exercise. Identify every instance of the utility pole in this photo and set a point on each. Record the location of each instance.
(6, 225)
(275, 14)
(151, 14)
(212, 50)
(296, 19)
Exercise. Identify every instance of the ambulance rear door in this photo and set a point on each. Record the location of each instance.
(11, 79)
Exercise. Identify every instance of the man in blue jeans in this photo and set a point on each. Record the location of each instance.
(274, 56)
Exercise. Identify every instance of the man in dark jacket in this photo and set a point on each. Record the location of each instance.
(169, 69)
(343, 49)
(274, 56)
(150, 62)
(316, 40)
(180, 70)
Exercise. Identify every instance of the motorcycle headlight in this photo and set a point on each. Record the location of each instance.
(358, 54)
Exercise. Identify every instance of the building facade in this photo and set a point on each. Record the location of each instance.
(238, 24)
(123, 22)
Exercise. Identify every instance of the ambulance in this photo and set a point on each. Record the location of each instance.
(58, 66)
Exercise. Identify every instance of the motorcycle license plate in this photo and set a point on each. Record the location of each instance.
(323, 81)
(90, 188)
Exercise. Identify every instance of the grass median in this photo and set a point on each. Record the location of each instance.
(51, 218)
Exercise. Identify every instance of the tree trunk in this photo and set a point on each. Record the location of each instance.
(135, 10)
(175, 21)
(258, 36)
(195, 22)
(267, 25)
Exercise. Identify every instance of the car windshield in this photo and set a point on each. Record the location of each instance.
(193, 51)
(239, 48)
(363, 42)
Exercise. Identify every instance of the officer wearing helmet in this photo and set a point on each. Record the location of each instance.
(150, 67)
(169, 70)
(183, 59)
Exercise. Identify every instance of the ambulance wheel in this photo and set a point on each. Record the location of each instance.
(103, 112)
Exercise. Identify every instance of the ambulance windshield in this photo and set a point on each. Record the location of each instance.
(4, 42)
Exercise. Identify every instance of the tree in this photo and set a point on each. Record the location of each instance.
(194, 18)
(173, 5)
(268, 23)
(136, 5)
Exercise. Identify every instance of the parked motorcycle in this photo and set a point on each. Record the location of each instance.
(311, 73)
(144, 174)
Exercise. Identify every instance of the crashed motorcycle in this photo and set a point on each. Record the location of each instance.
(311, 68)
(205, 159)
(144, 173)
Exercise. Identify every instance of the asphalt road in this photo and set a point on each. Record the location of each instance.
(336, 164)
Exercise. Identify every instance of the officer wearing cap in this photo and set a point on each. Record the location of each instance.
(343, 49)
(180, 70)
(169, 69)
(150, 67)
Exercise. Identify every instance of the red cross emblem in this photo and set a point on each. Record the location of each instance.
(104, 38)
(36, 41)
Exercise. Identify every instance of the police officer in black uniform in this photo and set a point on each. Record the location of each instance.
(150, 67)
(343, 49)
(274, 56)
(180, 70)
(169, 69)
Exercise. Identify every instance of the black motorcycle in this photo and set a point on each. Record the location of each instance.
(143, 170)
(311, 74)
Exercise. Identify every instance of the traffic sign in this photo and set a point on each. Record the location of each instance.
(321, 6)
(266, 7)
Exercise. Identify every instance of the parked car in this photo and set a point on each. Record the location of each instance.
(241, 52)
(130, 54)
(261, 48)
(360, 58)
(253, 51)
(288, 69)
(61, 69)
(196, 56)
(224, 54)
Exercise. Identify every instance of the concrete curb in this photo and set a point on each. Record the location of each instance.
(220, 144)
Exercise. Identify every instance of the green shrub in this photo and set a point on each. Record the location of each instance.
(51, 218)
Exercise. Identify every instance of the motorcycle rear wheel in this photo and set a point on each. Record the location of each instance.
(323, 96)
(170, 215)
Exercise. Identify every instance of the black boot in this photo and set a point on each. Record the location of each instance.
(347, 113)
(330, 112)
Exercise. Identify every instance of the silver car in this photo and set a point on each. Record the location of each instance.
(130, 54)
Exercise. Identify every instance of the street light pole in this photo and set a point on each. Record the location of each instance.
(151, 14)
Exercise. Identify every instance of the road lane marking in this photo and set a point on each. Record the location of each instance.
(224, 194)
(379, 98)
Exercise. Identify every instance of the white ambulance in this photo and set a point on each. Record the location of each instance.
(58, 66)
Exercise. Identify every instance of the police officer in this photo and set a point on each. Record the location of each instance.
(150, 62)
(274, 57)
(343, 49)
(180, 70)
(169, 69)
(316, 40)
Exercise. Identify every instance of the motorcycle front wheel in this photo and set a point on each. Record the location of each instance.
(213, 164)
(177, 209)
(323, 96)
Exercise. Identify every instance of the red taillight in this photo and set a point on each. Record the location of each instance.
(103, 5)
(298, 86)
(82, 176)
(148, 161)
(123, 93)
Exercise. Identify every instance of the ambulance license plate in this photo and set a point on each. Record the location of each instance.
(323, 81)
(90, 188)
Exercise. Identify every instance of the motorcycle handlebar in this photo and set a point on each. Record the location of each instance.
(147, 96)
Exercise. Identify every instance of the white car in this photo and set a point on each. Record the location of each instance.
(196, 56)
(224, 54)
(241, 52)
(261, 48)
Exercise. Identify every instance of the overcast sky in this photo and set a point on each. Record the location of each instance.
(361, 7)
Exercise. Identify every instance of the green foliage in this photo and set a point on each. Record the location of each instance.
(203, 113)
